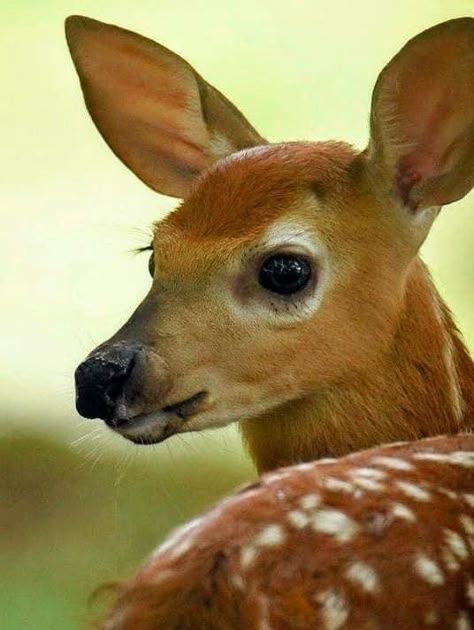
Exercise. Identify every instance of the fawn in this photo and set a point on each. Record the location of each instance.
(287, 291)
(377, 540)
(288, 294)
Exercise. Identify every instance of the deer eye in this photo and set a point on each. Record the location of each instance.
(151, 265)
(284, 273)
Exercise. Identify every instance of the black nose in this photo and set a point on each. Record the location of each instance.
(100, 379)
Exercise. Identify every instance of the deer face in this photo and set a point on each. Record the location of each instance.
(255, 301)
(283, 270)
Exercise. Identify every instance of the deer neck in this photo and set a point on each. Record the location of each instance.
(424, 385)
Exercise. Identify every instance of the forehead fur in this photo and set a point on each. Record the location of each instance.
(244, 193)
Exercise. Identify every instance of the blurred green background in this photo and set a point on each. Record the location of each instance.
(79, 506)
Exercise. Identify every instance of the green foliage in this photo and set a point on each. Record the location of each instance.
(67, 526)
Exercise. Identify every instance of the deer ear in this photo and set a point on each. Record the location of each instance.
(422, 121)
(154, 111)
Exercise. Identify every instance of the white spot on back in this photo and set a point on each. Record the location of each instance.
(448, 493)
(394, 444)
(182, 547)
(238, 581)
(335, 611)
(468, 524)
(470, 592)
(431, 618)
(456, 544)
(469, 498)
(298, 519)
(248, 553)
(395, 463)
(304, 467)
(271, 536)
(428, 569)
(180, 540)
(413, 491)
(462, 621)
(335, 523)
(279, 475)
(368, 484)
(449, 560)
(369, 473)
(363, 575)
(400, 510)
(456, 458)
(337, 485)
(309, 501)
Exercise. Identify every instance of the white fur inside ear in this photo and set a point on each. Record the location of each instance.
(220, 146)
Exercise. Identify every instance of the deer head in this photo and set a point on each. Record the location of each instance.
(289, 272)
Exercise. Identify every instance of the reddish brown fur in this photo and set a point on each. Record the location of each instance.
(376, 356)
(255, 188)
(404, 393)
(284, 586)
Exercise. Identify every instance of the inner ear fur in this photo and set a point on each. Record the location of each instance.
(157, 114)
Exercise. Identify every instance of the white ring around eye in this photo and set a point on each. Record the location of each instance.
(285, 237)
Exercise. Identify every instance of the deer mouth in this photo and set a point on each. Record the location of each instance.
(188, 407)
(157, 426)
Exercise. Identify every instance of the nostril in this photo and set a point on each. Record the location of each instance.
(115, 384)
(100, 380)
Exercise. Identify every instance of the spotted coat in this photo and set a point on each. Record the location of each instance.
(378, 540)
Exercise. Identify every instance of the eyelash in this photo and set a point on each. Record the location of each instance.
(145, 248)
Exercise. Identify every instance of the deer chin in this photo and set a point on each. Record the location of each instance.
(197, 413)
(149, 428)
(158, 426)
(155, 426)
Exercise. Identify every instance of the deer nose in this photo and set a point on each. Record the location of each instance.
(101, 378)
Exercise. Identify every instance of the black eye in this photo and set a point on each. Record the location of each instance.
(284, 274)
(151, 265)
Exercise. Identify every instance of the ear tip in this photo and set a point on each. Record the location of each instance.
(464, 21)
(459, 26)
(468, 24)
(73, 24)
